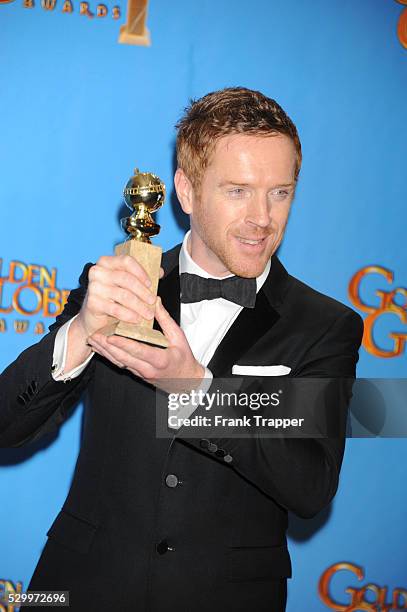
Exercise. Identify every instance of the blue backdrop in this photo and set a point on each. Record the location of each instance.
(78, 112)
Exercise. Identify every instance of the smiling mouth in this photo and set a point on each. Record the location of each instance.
(250, 241)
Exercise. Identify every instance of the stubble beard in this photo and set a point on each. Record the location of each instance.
(243, 267)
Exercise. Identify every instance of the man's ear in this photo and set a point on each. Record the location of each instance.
(185, 191)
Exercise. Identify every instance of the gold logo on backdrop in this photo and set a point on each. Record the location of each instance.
(360, 598)
(402, 25)
(27, 290)
(67, 6)
(133, 32)
(387, 305)
(7, 587)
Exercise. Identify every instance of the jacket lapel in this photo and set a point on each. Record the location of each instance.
(252, 323)
(169, 286)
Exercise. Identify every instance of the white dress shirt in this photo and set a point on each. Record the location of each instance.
(204, 323)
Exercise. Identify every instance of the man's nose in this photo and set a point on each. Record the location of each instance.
(258, 212)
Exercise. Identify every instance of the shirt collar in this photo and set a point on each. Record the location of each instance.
(187, 264)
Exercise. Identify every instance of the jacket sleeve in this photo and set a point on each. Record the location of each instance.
(32, 403)
(300, 474)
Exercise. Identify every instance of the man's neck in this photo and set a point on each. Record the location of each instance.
(215, 271)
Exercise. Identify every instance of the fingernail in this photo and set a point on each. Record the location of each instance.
(151, 299)
(147, 283)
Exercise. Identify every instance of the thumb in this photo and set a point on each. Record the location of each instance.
(171, 329)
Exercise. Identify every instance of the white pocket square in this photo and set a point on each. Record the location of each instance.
(272, 370)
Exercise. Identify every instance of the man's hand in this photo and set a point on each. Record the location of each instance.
(118, 288)
(173, 369)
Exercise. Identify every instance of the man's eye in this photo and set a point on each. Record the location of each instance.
(236, 192)
(280, 194)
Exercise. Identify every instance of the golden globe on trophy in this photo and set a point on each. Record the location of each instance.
(144, 194)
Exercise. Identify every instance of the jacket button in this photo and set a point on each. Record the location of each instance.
(228, 458)
(163, 547)
(221, 453)
(204, 444)
(171, 481)
(212, 448)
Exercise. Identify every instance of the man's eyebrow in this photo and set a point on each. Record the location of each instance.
(285, 185)
(234, 183)
(238, 184)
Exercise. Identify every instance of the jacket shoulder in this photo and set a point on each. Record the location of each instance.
(318, 306)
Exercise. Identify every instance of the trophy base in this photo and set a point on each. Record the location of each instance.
(135, 332)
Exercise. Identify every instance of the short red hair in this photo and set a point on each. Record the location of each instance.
(234, 110)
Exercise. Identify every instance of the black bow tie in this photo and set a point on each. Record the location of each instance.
(235, 289)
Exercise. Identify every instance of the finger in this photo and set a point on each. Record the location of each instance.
(127, 263)
(170, 328)
(146, 370)
(135, 373)
(100, 276)
(157, 357)
(99, 345)
(98, 348)
(100, 306)
(124, 298)
(161, 272)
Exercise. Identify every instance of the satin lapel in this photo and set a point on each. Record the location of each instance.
(250, 325)
(169, 291)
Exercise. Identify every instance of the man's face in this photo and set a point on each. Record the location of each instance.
(239, 216)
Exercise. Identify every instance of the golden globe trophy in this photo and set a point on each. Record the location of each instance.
(144, 194)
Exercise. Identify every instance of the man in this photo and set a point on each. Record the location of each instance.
(189, 523)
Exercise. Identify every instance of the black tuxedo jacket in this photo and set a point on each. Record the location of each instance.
(212, 536)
